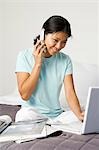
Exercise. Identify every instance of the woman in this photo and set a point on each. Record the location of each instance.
(43, 70)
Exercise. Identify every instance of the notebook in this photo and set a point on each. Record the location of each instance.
(91, 117)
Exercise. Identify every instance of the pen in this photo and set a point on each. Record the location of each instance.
(48, 124)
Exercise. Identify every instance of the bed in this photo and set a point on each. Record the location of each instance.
(58, 141)
(85, 75)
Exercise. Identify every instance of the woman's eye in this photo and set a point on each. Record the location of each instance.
(55, 40)
(64, 42)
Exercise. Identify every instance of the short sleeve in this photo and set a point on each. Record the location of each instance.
(69, 66)
(21, 63)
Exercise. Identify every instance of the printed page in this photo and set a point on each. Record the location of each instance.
(67, 117)
(67, 121)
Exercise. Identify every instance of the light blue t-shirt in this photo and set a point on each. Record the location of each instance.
(45, 98)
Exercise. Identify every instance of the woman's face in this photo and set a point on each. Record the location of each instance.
(55, 42)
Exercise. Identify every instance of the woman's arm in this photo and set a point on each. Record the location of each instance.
(28, 82)
(72, 97)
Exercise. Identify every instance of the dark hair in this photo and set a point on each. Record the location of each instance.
(55, 24)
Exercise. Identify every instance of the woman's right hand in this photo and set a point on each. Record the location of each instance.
(38, 52)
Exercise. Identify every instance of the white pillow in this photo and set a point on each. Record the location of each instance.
(84, 75)
(11, 99)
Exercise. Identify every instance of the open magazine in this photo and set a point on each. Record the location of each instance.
(24, 130)
(41, 127)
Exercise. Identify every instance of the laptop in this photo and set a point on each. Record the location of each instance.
(91, 117)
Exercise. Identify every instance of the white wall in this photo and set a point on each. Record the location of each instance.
(98, 31)
(20, 20)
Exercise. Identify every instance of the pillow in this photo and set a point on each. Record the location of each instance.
(11, 99)
(84, 75)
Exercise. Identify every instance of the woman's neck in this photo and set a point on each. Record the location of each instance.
(46, 54)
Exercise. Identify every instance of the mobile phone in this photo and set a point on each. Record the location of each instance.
(42, 35)
(42, 38)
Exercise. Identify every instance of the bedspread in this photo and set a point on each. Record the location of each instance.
(58, 141)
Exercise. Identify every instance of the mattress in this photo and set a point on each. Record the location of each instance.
(57, 141)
